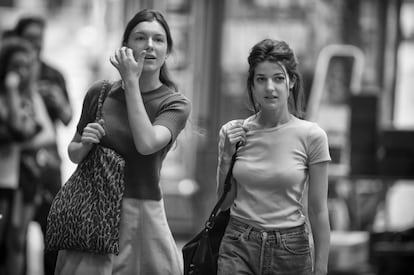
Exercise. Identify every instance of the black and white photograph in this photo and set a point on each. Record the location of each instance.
(206, 137)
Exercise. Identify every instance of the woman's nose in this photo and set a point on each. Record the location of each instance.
(150, 43)
(269, 85)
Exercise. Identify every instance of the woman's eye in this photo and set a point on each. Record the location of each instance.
(279, 79)
(160, 40)
(260, 79)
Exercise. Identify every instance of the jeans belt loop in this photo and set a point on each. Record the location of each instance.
(248, 231)
(278, 238)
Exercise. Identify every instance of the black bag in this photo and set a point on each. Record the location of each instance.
(201, 253)
(85, 214)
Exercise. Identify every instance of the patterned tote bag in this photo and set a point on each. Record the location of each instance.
(85, 214)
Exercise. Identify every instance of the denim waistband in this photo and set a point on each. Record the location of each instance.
(280, 231)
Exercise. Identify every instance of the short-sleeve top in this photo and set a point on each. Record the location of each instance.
(164, 107)
(271, 171)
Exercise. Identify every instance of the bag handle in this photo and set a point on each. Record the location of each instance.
(102, 95)
(227, 187)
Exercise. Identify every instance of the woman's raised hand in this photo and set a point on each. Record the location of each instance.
(125, 62)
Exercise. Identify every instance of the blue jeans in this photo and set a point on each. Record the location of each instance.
(249, 250)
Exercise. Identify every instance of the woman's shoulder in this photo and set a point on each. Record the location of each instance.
(226, 125)
(94, 90)
(311, 129)
(170, 95)
(309, 125)
(170, 99)
(96, 86)
(230, 122)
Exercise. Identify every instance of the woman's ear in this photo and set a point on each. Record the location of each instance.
(292, 82)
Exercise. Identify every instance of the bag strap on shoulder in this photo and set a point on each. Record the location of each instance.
(102, 95)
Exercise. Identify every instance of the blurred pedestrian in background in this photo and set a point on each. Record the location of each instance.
(15, 60)
(25, 127)
(52, 87)
(143, 115)
(279, 157)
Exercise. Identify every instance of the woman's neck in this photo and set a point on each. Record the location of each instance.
(270, 119)
(149, 82)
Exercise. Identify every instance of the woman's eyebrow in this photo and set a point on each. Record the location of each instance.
(149, 32)
(275, 74)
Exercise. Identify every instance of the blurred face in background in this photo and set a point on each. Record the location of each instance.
(149, 36)
(34, 33)
(21, 63)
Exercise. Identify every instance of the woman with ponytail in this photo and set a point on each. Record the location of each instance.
(142, 116)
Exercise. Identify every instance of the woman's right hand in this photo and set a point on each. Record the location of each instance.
(93, 133)
(127, 64)
(235, 133)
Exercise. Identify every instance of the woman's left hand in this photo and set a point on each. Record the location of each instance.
(124, 61)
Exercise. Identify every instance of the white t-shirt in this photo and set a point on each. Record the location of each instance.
(271, 171)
